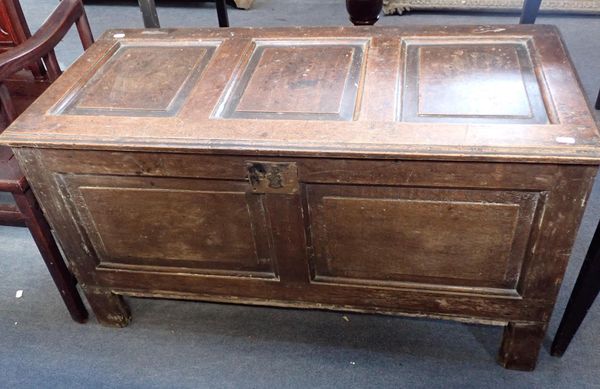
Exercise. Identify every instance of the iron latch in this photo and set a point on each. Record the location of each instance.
(273, 177)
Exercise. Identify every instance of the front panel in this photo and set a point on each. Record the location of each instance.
(457, 239)
(435, 238)
(162, 224)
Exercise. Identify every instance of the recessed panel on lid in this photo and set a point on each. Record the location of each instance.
(146, 79)
(305, 80)
(471, 82)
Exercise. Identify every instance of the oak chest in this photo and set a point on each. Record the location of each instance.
(424, 171)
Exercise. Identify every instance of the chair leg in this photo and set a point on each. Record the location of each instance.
(11, 216)
(530, 11)
(6, 104)
(598, 101)
(222, 13)
(149, 13)
(42, 235)
(364, 12)
(85, 32)
(584, 293)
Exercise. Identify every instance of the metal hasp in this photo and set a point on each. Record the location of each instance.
(273, 177)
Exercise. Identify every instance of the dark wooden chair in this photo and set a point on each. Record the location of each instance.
(530, 10)
(584, 293)
(16, 91)
(150, 16)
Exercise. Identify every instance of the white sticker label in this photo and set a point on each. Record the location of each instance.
(565, 139)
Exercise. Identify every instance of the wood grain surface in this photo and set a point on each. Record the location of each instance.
(296, 167)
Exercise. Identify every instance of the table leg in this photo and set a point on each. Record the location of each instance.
(584, 293)
(364, 12)
(222, 13)
(521, 345)
(42, 236)
(530, 11)
(148, 8)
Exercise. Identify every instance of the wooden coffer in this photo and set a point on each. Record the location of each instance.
(426, 171)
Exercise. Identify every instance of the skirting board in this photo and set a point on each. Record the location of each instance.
(550, 6)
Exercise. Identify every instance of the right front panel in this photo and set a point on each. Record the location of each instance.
(429, 237)
(436, 238)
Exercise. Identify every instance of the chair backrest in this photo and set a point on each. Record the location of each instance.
(41, 46)
(16, 31)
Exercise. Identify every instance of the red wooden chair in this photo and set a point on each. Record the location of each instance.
(17, 90)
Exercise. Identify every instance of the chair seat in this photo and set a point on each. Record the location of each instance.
(11, 178)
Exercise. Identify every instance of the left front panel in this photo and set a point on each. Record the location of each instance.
(163, 224)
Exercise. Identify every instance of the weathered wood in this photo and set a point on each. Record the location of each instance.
(521, 345)
(183, 125)
(291, 167)
(109, 308)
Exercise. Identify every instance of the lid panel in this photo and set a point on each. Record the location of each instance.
(471, 82)
(308, 80)
(140, 79)
(442, 92)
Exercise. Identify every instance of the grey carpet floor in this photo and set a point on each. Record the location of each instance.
(174, 344)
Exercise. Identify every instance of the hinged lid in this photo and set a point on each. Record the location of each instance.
(483, 92)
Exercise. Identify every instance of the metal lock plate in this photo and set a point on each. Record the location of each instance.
(273, 177)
